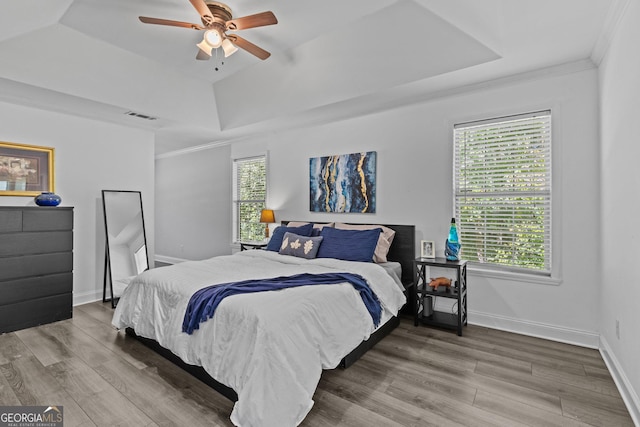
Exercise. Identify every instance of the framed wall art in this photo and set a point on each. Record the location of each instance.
(343, 183)
(25, 170)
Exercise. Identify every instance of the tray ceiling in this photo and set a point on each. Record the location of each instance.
(95, 59)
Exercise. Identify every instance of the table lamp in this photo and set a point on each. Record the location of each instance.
(267, 216)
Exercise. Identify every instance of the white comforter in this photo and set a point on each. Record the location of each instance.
(270, 347)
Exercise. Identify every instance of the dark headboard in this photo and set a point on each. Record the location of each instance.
(403, 248)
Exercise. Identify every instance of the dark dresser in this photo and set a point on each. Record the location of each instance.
(36, 266)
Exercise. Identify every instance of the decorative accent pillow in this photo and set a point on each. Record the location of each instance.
(349, 245)
(384, 241)
(317, 226)
(276, 238)
(300, 246)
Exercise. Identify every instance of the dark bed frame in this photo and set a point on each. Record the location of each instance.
(402, 250)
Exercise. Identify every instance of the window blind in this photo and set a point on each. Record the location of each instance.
(502, 187)
(250, 197)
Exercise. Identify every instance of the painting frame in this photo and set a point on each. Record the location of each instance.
(427, 249)
(26, 170)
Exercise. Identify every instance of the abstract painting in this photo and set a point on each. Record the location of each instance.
(343, 183)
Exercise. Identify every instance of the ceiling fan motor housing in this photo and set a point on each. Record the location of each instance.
(220, 11)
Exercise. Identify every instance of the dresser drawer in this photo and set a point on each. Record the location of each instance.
(49, 219)
(15, 244)
(35, 312)
(35, 265)
(14, 291)
(10, 220)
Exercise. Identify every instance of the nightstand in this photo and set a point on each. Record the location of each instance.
(252, 245)
(425, 296)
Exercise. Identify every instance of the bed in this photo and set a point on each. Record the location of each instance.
(266, 351)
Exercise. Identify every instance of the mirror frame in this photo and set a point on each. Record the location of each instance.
(108, 272)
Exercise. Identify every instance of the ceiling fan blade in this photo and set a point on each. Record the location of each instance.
(170, 23)
(248, 46)
(252, 21)
(203, 10)
(202, 55)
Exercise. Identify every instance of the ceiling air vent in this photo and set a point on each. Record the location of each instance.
(140, 116)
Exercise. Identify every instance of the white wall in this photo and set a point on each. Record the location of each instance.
(620, 287)
(193, 205)
(89, 156)
(414, 185)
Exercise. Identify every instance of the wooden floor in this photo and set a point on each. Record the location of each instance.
(414, 377)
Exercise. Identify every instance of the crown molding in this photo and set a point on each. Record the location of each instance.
(196, 148)
(616, 12)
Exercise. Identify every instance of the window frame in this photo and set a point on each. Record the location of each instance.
(497, 270)
(236, 201)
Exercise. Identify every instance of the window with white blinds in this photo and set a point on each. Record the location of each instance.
(502, 187)
(250, 194)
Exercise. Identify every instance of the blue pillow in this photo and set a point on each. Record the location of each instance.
(276, 238)
(349, 245)
(300, 246)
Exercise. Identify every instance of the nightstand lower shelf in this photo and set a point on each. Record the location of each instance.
(441, 319)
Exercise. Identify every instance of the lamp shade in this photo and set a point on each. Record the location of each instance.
(205, 47)
(267, 216)
(228, 47)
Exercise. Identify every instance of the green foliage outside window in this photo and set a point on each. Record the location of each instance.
(250, 228)
(251, 193)
(516, 238)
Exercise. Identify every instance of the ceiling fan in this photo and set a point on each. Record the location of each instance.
(217, 19)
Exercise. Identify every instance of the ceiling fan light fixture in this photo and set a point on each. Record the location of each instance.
(205, 47)
(213, 38)
(228, 47)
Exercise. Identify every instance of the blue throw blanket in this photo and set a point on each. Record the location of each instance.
(204, 302)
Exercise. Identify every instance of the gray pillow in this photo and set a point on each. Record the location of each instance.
(300, 246)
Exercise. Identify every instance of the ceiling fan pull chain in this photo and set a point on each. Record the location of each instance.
(217, 67)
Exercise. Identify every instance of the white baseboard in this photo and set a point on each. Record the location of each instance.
(536, 329)
(625, 387)
(86, 297)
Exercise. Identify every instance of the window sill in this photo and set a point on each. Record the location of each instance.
(480, 271)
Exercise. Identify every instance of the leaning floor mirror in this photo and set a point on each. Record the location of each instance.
(126, 242)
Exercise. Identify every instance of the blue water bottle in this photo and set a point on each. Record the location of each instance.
(452, 246)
